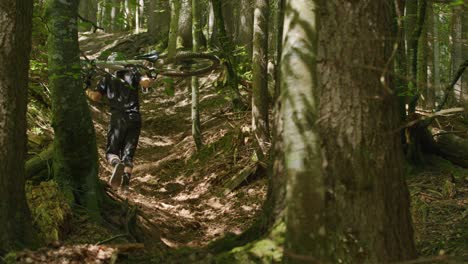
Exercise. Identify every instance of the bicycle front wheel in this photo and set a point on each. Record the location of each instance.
(186, 64)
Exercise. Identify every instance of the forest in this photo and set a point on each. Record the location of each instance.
(234, 131)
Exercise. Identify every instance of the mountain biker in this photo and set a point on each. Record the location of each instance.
(125, 122)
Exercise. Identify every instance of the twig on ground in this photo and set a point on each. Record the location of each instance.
(111, 239)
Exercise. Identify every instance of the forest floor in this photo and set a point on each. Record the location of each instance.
(187, 199)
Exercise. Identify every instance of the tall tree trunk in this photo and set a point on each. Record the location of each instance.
(15, 46)
(436, 56)
(196, 30)
(84, 12)
(464, 78)
(303, 165)
(115, 14)
(363, 157)
(174, 27)
(245, 26)
(160, 14)
(211, 27)
(411, 18)
(421, 74)
(229, 14)
(128, 15)
(226, 46)
(185, 24)
(137, 20)
(75, 162)
(457, 59)
(430, 94)
(401, 61)
(141, 12)
(260, 124)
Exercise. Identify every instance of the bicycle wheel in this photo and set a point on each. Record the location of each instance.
(185, 64)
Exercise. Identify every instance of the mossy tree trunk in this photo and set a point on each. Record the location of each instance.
(185, 24)
(196, 31)
(15, 46)
(115, 24)
(457, 59)
(367, 200)
(464, 35)
(421, 74)
(245, 25)
(174, 28)
(260, 123)
(159, 15)
(305, 194)
(226, 46)
(75, 161)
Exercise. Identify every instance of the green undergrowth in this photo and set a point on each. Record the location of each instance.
(439, 205)
(50, 210)
(266, 250)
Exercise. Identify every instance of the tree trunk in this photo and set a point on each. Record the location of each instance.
(436, 57)
(363, 157)
(226, 46)
(457, 58)
(411, 18)
(141, 11)
(401, 61)
(84, 12)
(421, 74)
(185, 24)
(174, 27)
(464, 79)
(15, 46)
(75, 162)
(260, 124)
(303, 165)
(245, 27)
(115, 14)
(160, 14)
(430, 90)
(196, 30)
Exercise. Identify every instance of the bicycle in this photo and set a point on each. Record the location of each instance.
(182, 64)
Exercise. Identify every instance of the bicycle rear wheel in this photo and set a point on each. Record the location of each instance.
(185, 64)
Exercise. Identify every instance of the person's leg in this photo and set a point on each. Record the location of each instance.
(115, 139)
(130, 145)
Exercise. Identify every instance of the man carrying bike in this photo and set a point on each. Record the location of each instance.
(125, 122)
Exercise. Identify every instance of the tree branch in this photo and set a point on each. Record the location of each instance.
(95, 26)
(449, 87)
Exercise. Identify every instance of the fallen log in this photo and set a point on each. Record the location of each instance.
(451, 147)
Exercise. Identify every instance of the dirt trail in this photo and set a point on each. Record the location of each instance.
(180, 191)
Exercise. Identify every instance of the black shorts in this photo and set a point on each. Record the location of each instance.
(122, 137)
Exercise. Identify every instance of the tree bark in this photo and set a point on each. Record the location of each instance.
(245, 26)
(174, 28)
(260, 123)
(160, 14)
(421, 74)
(75, 164)
(464, 79)
(305, 196)
(15, 46)
(196, 30)
(457, 58)
(185, 24)
(115, 14)
(363, 158)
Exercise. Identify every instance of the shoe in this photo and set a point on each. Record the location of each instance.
(116, 176)
(125, 182)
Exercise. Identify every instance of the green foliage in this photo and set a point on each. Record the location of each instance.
(268, 250)
(169, 87)
(50, 210)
